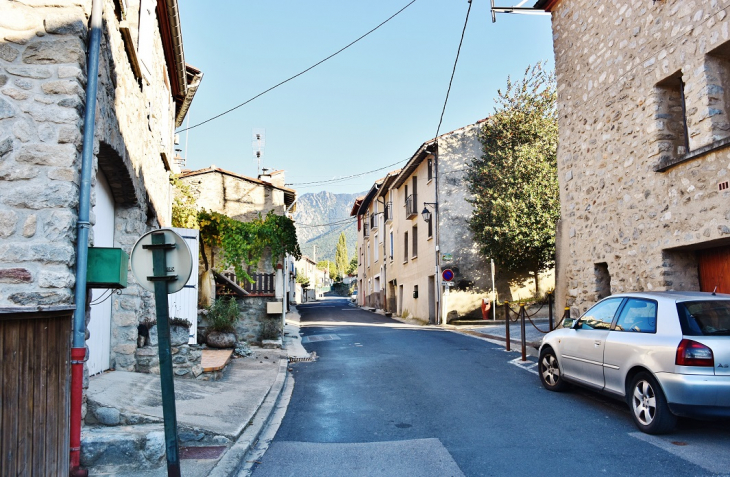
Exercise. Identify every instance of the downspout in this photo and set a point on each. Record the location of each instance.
(439, 290)
(285, 298)
(78, 347)
(385, 261)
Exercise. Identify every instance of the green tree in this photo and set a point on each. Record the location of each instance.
(514, 184)
(328, 265)
(352, 267)
(184, 208)
(341, 256)
(303, 280)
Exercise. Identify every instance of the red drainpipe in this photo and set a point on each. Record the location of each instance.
(77, 381)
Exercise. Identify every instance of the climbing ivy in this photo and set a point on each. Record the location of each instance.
(244, 243)
(184, 210)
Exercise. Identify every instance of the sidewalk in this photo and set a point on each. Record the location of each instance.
(218, 421)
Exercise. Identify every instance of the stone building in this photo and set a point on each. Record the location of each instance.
(402, 254)
(145, 89)
(644, 153)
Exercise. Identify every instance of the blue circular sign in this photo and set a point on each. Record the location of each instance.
(447, 275)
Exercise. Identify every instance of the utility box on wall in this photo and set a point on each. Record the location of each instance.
(273, 307)
(107, 268)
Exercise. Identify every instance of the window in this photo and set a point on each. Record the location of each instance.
(429, 224)
(145, 38)
(601, 315)
(717, 70)
(405, 247)
(405, 189)
(415, 241)
(603, 280)
(637, 316)
(375, 248)
(391, 245)
(429, 167)
(704, 318)
(671, 119)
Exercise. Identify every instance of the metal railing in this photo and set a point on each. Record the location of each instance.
(388, 212)
(373, 221)
(411, 206)
(366, 229)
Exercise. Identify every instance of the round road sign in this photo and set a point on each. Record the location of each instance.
(447, 275)
(179, 261)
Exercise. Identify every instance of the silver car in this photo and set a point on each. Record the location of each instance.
(666, 354)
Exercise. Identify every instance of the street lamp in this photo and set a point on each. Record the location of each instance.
(426, 214)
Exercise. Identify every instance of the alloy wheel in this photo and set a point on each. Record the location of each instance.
(644, 402)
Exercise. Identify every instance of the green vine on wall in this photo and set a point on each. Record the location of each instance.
(241, 243)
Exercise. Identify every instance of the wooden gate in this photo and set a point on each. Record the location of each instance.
(35, 347)
(714, 264)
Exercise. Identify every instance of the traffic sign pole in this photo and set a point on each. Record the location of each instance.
(160, 280)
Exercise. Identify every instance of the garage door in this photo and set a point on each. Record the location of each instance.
(715, 269)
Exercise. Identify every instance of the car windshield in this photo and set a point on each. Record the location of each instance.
(705, 318)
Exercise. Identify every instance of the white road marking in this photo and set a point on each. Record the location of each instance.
(526, 365)
(707, 450)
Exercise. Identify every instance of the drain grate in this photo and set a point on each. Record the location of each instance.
(318, 338)
(309, 359)
(201, 452)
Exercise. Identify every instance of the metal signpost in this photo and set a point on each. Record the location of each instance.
(165, 272)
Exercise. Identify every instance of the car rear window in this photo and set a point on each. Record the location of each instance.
(704, 318)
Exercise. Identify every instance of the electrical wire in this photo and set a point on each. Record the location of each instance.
(340, 179)
(302, 72)
(341, 222)
(454, 70)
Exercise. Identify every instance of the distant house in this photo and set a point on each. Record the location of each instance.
(644, 133)
(413, 225)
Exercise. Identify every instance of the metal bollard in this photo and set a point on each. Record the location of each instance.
(523, 314)
(550, 311)
(506, 324)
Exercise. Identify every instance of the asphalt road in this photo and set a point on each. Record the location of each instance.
(386, 399)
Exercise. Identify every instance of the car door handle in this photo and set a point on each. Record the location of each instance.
(597, 343)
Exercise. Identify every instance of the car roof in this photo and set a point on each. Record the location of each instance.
(676, 296)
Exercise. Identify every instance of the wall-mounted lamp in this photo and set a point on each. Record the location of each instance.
(426, 214)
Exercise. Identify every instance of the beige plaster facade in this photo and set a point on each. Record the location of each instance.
(402, 256)
(644, 154)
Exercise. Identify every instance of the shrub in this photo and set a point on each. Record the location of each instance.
(180, 322)
(270, 329)
(223, 315)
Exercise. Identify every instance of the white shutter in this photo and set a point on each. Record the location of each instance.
(184, 304)
(145, 37)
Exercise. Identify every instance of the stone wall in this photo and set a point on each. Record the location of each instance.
(42, 93)
(633, 196)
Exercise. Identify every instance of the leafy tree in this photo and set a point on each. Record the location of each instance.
(341, 256)
(184, 208)
(352, 267)
(303, 280)
(514, 184)
(328, 265)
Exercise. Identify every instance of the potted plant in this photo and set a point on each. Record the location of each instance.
(221, 318)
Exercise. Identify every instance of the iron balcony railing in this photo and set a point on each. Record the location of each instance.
(366, 229)
(373, 221)
(388, 212)
(411, 206)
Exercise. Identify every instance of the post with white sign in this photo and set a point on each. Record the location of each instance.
(165, 272)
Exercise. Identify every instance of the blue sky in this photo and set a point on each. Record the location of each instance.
(372, 105)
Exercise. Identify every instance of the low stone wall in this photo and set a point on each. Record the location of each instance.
(186, 358)
(253, 314)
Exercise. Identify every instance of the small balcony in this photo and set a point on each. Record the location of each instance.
(388, 212)
(366, 229)
(411, 206)
(373, 221)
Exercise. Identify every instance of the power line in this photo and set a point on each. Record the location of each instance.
(341, 222)
(300, 73)
(454, 70)
(340, 179)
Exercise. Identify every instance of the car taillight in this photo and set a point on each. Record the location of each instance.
(692, 353)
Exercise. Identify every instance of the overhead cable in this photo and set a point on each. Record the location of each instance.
(340, 179)
(300, 73)
(454, 70)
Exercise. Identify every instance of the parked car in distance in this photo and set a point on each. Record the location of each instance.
(667, 354)
(353, 297)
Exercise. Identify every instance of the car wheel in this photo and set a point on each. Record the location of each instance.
(649, 406)
(549, 371)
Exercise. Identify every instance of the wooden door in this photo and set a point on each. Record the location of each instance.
(714, 267)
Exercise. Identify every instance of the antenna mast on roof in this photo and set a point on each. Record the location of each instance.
(258, 144)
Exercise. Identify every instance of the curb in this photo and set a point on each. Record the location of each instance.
(234, 459)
